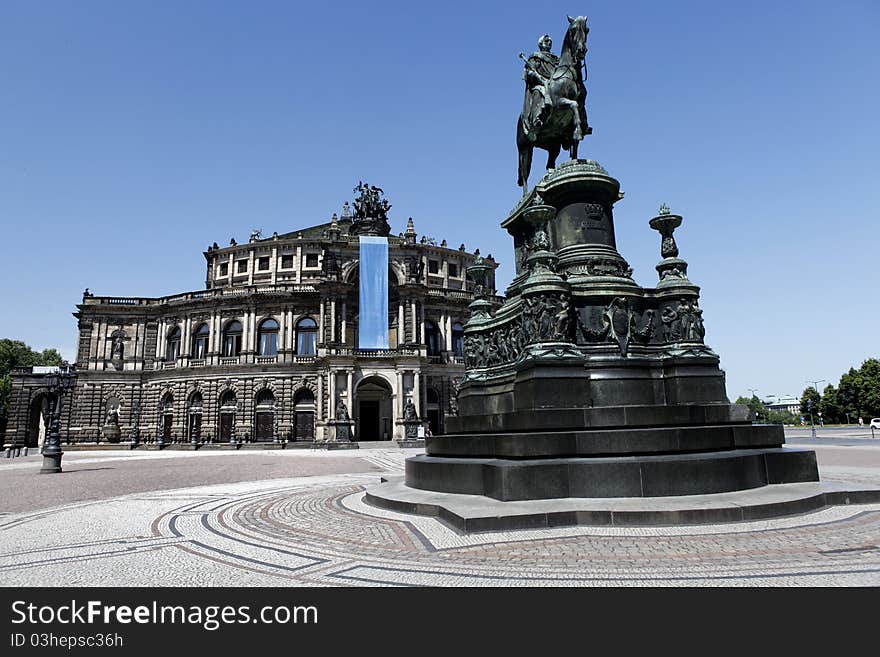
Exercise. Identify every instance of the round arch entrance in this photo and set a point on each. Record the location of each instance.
(374, 419)
(38, 420)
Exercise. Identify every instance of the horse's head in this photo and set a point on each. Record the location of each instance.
(576, 36)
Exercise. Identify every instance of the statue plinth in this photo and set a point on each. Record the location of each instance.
(111, 433)
(340, 435)
(584, 384)
(342, 430)
(411, 436)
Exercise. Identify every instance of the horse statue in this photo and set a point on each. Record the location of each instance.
(553, 115)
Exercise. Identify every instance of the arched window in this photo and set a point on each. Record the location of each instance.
(432, 338)
(200, 342)
(458, 339)
(172, 344)
(267, 338)
(265, 398)
(306, 336)
(232, 339)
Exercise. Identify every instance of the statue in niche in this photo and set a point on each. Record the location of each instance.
(117, 350)
(112, 417)
(691, 317)
(415, 268)
(331, 264)
(409, 410)
(341, 411)
(669, 317)
(562, 319)
(699, 331)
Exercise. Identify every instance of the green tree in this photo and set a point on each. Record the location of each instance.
(782, 417)
(832, 410)
(15, 353)
(870, 391)
(858, 392)
(50, 357)
(810, 399)
(756, 408)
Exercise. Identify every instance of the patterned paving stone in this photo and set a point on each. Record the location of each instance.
(317, 531)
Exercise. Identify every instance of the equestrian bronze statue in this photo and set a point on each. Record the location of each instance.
(553, 116)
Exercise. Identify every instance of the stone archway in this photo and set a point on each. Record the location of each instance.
(374, 416)
(38, 420)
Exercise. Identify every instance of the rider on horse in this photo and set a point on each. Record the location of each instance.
(539, 68)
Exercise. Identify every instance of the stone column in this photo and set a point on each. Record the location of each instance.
(160, 341)
(282, 330)
(399, 410)
(321, 321)
(401, 329)
(422, 321)
(319, 410)
(349, 400)
(415, 334)
(187, 334)
(218, 338)
(252, 330)
(417, 395)
(331, 411)
(333, 320)
(212, 337)
(344, 315)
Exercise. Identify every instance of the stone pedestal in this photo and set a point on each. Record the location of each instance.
(111, 433)
(340, 432)
(411, 434)
(586, 385)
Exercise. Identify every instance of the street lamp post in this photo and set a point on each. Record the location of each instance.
(59, 384)
(812, 426)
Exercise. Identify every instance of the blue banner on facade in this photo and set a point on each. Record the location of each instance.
(373, 322)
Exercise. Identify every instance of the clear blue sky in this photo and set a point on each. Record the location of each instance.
(134, 134)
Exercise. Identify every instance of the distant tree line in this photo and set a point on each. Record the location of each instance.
(758, 412)
(856, 395)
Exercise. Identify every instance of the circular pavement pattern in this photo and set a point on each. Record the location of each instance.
(318, 531)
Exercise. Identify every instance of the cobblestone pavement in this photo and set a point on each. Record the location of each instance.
(313, 529)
